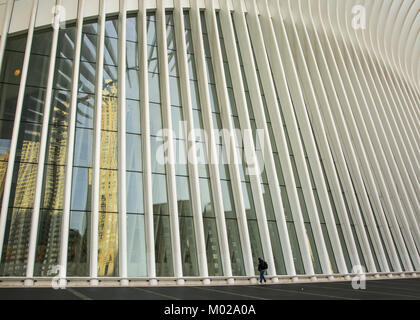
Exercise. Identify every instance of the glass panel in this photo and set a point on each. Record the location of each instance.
(175, 93)
(38, 71)
(6, 129)
(81, 189)
(108, 190)
(109, 150)
(33, 105)
(172, 63)
(188, 248)
(111, 27)
(133, 112)
(41, 43)
(16, 241)
(132, 85)
(87, 73)
(312, 248)
(8, 99)
(12, 67)
(183, 197)
(63, 74)
(254, 238)
(206, 198)
(155, 119)
(78, 261)
(66, 42)
(108, 244)
(132, 29)
(163, 251)
(294, 243)
(277, 249)
(53, 187)
(135, 193)
(160, 202)
(180, 158)
(214, 261)
(154, 91)
(22, 192)
(83, 147)
(88, 52)
(111, 51)
(178, 124)
(157, 155)
(136, 246)
(269, 210)
(56, 145)
(48, 243)
(85, 109)
(235, 249)
(59, 115)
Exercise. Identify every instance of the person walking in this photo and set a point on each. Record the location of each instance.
(262, 267)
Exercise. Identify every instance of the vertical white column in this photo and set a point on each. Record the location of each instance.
(368, 90)
(385, 203)
(70, 147)
(317, 97)
(230, 146)
(168, 139)
(42, 150)
(211, 145)
(239, 89)
(122, 193)
(300, 90)
(244, 42)
(16, 125)
(97, 145)
(361, 175)
(145, 124)
(5, 29)
(190, 139)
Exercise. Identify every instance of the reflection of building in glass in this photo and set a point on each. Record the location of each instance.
(3, 167)
(108, 182)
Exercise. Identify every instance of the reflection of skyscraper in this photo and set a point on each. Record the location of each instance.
(48, 244)
(16, 244)
(3, 168)
(108, 184)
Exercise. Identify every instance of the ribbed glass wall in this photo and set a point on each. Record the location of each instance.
(83, 189)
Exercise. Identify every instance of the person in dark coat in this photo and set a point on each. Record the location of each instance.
(262, 267)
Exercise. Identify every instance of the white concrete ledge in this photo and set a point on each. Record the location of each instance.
(47, 282)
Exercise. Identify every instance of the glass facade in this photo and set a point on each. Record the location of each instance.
(22, 121)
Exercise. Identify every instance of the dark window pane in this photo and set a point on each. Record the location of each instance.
(133, 157)
(189, 258)
(78, 259)
(15, 252)
(163, 250)
(48, 243)
(28, 143)
(214, 261)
